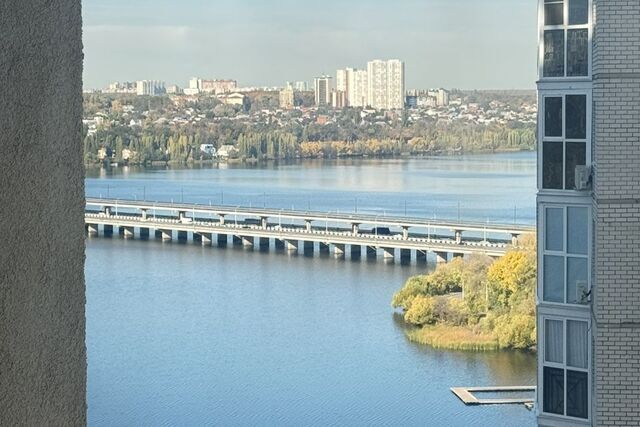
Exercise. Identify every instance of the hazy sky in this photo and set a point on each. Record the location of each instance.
(447, 43)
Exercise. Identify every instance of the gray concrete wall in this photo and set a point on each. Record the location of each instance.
(42, 298)
(616, 299)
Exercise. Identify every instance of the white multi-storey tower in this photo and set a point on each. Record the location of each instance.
(322, 86)
(386, 84)
(589, 213)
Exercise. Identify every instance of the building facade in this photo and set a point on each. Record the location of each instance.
(322, 87)
(386, 84)
(150, 88)
(589, 213)
(287, 97)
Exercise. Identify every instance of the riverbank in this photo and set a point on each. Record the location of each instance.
(453, 338)
(475, 304)
(254, 161)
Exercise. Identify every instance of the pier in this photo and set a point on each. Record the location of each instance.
(359, 235)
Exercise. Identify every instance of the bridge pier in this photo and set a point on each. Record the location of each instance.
(121, 231)
(247, 241)
(165, 235)
(237, 240)
(279, 244)
(128, 232)
(372, 252)
(324, 248)
(338, 250)
(421, 257)
(183, 236)
(92, 229)
(222, 240)
(308, 247)
(204, 238)
(441, 257)
(405, 256)
(389, 253)
(458, 235)
(291, 245)
(144, 233)
(356, 251)
(263, 243)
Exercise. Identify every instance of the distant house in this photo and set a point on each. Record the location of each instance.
(228, 151)
(208, 149)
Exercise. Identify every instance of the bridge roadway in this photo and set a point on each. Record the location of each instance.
(388, 234)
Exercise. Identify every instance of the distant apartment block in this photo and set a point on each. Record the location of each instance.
(358, 89)
(150, 88)
(386, 84)
(215, 87)
(122, 87)
(174, 90)
(300, 86)
(322, 87)
(287, 98)
(338, 99)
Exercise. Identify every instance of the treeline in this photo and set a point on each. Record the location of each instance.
(475, 303)
(163, 143)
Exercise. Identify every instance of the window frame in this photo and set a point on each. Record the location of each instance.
(563, 366)
(543, 251)
(565, 27)
(542, 96)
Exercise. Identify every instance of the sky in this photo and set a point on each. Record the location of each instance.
(466, 44)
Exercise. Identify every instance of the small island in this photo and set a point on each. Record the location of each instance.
(474, 304)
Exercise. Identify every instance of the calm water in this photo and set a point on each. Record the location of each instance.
(185, 335)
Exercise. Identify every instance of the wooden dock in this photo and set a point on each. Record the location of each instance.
(466, 394)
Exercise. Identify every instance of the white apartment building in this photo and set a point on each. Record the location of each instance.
(359, 89)
(588, 213)
(150, 88)
(322, 87)
(386, 84)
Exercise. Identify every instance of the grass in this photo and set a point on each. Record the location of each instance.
(453, 338)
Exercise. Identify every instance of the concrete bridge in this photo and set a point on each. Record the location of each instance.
(329, 232)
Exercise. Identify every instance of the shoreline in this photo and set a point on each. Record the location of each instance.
(253, 161)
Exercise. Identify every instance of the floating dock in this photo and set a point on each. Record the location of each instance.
(466, 394)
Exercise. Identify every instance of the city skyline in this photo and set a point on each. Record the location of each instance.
(261, 44)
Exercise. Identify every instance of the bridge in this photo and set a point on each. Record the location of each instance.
(326, 232)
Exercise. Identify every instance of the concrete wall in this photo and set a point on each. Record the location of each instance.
(42, 299)
(616, 299)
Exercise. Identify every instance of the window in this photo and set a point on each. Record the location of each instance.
(565, 260)
(564, 145)
(566, 38)
(565, 371)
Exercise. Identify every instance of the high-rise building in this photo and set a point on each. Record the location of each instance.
(588, 213)
(442, 98)
(150, 87)
(287, 97)
(301, 86)
(386, 85)
(322, 86)
(358, 89)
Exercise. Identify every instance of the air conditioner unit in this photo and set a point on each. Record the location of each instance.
(582, 177)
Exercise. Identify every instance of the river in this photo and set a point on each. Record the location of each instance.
(186, 335)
